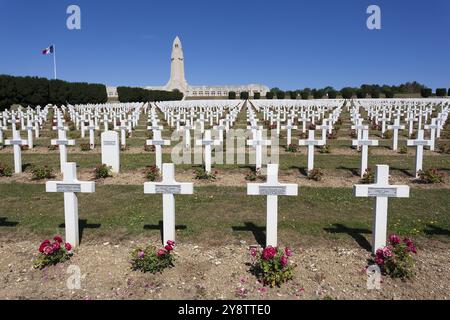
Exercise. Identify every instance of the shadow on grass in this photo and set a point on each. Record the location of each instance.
(83, 224)
(159, 227)
(353, 171)
(258, 232)
(433, 230)
(4, 223)
(404, 171)
(303, 170)
(355, 233)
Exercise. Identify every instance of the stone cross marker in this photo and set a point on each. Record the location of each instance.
(158, 141)
(364, 143)
(91, 129)
(62, 142)
(168, 187)
(257, 143)
(272, 189)
(381, 190)
(17, 142)
(432, 127)
(111, 150)
(311, 142)
(419, 143)
(396, 126)
(207, 142)
(288, 129)
(70, 186)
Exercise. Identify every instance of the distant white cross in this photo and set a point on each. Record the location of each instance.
(311, 143)
(258, 142)
(419, 143)
(17, 142)
(288, 127)
(432, 127)
(62, 142)
(207, 142)
(272, 189)
(70, 186)
(157, 141)
(364, 143)
(396, 126)
(168, 187)
(381, 190)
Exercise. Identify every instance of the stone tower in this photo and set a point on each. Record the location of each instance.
(177, 80)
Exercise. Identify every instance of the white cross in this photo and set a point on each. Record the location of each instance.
(396, 126)
(419, 143)
(432, 127)
(187, 134)
(91, 129)
(207, 142)
(257, 143)
(288, 129)
(17, 142)
(106, 121)
(411, 118)
(310, 142)
(157, 141)
(30, 128)
(324, 127)
(381, 190)
(62, 142)
(2, 128)
(70, 186)
(272, 189)
(123, 128)
(364, 143)
(220, 128)
(168, 187)
(359, 127)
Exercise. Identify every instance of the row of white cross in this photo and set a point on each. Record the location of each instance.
(272, 188)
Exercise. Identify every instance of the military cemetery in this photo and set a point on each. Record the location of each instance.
(266, 193)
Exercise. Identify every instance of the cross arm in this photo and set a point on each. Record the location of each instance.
(76, 186)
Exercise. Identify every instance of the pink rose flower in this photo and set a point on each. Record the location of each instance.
(58, 239)
(379, 252)
(141, 254)
(288, 252)
(253, 252)
(56, 246)
(379, 261)
(161, 252)
(170, 243)
(168, 248)
(48, 250)
(394, 239)
(387, 252)
(68, 246)
(283, 260)
(269, 253)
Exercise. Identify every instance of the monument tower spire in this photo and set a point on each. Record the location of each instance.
(177, 79)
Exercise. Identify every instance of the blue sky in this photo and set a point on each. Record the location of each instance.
(288, 44)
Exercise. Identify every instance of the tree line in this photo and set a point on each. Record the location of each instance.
(364, 91)
(131, 94)
(34, 91)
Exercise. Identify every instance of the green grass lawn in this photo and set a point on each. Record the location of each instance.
(222, 212)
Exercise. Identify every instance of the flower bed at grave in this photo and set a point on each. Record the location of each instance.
(271, 265)
(396, 259)
(150, 259)
(52, 253)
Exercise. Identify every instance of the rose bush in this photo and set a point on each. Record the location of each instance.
(271, 265)
(51, 253)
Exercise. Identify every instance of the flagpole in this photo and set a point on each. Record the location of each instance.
(54, 60)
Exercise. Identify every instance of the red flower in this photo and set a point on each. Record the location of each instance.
(288, 252)
(253, 252)
(161, 252)
(269, 253)
(170, 243)
(394, 239)
(43, 245)
(58, 239)
(48, 250)
(283, 260)
(379, 261)
(168, 248)
(68, 246)
(56, 246)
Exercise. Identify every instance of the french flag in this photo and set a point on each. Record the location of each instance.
(48, 50)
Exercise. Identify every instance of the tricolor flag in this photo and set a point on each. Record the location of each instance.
(48, 50)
